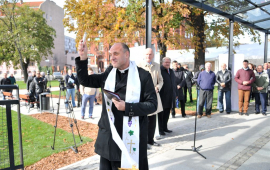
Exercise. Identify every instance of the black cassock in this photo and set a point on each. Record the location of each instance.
(105, 145)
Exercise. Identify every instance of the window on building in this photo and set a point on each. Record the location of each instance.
(46, 16)
(100, 46)
(72, 58)
(50, 18)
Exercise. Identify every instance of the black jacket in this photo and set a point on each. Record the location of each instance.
(105, 145)
(5, 81)
(29, 81)
(195, 77)
(37, 85)
(181, 81)
(189, 78)
(69, 84)
(224, 78)
(168, 91)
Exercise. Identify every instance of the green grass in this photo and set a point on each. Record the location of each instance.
(192, 106)
(22, 85)
(37, 138)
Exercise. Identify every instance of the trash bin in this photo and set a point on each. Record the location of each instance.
(45, 101)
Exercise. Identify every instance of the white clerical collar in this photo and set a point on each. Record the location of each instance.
(123, 71)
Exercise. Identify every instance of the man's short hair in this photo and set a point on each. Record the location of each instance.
(166, 58)
(269, 62)
(245, 61)
(260, 66)
(208, 64)
(175, 62)
(179, 64)
(125, 47)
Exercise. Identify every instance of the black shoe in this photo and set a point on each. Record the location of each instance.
(173, 116)
(241, 113)
(185, 116)
(220, 111)
(246, 114)
(155, 144)
(264, 114)
(31, 106)
(257, 113)
(162, 133)
(228, 112)
(168, 131)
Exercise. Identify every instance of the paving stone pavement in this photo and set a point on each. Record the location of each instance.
(183, 130)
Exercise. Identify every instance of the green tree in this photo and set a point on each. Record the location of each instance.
(25, 35)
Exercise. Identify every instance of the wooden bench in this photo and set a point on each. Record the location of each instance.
(26, 99)
(8, 95)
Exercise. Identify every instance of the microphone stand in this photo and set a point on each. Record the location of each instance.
(194, 148)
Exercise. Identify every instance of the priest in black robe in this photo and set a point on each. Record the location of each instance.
(110, 154)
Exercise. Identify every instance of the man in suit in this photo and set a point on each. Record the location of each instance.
(188, 86)
(179, 83)
(167, 94)
(105, 146)
(154, 69)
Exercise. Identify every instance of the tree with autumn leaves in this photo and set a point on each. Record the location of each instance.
(113, 21)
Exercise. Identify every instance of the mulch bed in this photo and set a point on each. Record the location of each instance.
(68, 157)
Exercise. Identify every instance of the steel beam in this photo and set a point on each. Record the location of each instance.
(230, 53)
(265, 48)
(148, 23)
(224, 14)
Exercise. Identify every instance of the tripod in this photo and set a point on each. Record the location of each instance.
(71, 117)
(194, 148)
(48, 73)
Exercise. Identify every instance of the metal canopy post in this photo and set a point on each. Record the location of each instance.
(230, 54)
(265, 48)
(148, 23)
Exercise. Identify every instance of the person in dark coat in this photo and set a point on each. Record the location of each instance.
(224, 78)
(37, 87)
(30, 79)
(71, 81)
(179, 83)
(167, 95)
(110, 154)
(5, 81)
(189, 84)
(44, 79)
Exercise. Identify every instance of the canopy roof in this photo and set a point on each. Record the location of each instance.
(253, 13)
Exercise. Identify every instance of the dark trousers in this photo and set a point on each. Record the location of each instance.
(205, 95)
(163, 118)
(190, 93)
(260, 98)
(227, 98)
(182, 105)
(151, 128)
(105, 164)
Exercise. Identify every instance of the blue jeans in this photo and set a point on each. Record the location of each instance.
(198, 101)
(72, 93)
(228, 100)
(260, 98)
(85, 99)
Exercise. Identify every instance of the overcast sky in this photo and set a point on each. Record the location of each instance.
(61, 3)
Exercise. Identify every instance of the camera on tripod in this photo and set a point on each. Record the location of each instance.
(61, 84)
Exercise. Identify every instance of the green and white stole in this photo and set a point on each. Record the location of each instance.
(129, 144)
